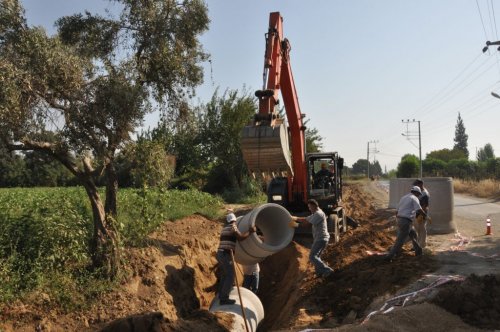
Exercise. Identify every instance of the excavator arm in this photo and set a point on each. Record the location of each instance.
(265, 142)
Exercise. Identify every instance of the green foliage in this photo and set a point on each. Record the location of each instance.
(179, 130)
(205, 141)
(408, 167)
(434, 167)
(485, 153)
(44, 245)
(223, 119)
(375, 168)
(461, 137)
(446, 154)
(460, 168)
(39, 237)
(13, 170)
(392, 174)
(151, 166)
(493, 168)
(313, 139)
(250, 192)
(360, 166)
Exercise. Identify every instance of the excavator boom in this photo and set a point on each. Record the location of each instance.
(265, 142)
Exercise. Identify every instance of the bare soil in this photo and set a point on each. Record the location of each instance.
(172, 280)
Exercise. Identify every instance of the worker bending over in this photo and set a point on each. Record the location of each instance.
(407, 208)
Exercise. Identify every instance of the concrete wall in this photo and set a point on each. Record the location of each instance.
(440, 204)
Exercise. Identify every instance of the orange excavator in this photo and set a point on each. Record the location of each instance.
(274, 146)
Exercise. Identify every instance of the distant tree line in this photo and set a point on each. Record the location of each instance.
(360, 167)
(454, 162)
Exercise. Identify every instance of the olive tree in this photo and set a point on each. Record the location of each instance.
(92, 84)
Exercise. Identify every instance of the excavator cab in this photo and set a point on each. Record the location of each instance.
(325, 175)
(325, 179)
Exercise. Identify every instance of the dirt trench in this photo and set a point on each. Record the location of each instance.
(172, 280)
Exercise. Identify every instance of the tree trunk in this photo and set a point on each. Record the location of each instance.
(104, 244)
(111, 190)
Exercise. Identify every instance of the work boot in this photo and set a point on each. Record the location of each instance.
(418, 251)
(327, 274)
(388, 258)
(227, 302)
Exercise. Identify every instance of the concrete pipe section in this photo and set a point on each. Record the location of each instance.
(272, 221)
(441, 201)
(254, 311)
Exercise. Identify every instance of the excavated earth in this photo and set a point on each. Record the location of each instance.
(171, 283)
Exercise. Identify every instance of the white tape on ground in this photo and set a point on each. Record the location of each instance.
(402, 300)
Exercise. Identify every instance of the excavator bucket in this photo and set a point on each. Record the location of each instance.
(266, 149)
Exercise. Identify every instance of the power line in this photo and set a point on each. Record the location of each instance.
(454, 92)
(494, 19)
(482, 22)
(493, 24)
(451, 82)
(471, 102)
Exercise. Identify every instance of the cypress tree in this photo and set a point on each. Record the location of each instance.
(461, 137)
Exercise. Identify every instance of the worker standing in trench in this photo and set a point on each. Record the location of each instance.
(320, 237)
(228, 237)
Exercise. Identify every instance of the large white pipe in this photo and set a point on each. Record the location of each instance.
(272, 221)
(441, 201)
(254, 311)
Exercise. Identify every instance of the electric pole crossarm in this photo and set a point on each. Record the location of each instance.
(410, 136)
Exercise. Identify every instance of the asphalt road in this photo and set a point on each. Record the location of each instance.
(470, 250)
(472, 212)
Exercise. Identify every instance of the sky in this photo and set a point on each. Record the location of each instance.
(367, 73)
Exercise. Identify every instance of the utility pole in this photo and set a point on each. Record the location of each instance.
(488, 44)
(412, 135)
(374, 150)
(368, 160)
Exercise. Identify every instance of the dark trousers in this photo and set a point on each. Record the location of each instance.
(227, 273)
(404, 230)
(251, 281)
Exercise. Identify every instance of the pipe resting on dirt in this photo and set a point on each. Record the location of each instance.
(272, 221)
(254, 311)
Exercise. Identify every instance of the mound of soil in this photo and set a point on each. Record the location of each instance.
(476, 300)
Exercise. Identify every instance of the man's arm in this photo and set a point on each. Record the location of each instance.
(242, 236)
(297, 221)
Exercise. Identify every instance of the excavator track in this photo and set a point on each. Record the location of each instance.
(266, 149)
